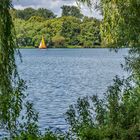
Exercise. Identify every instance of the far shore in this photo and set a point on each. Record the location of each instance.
(52, 47)
(72, 47)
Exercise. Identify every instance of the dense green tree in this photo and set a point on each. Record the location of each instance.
(71, 11)
(120, 25)
(36, 19)
(71, 29)
(45, 13)
(29, 12)
(90, 32)
(25, 14)
(75, 31)
(59, 41)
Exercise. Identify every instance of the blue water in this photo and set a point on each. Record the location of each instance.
(56, 78)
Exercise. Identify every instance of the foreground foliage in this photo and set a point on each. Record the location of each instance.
(11, 85)
(115, 117)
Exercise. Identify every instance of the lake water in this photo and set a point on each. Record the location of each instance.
(56, 78)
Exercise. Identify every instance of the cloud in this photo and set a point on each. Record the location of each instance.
(53, 5)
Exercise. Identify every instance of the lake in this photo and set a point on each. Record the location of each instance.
(56, 78)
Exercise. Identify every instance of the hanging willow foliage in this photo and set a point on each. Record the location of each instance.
(120, 26)
(11, 86)
(87, 2)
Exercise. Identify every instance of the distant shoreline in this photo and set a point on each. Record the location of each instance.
(68, 47)
(74, 48)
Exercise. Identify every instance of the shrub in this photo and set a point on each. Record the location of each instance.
(116, 117)
(58, 41)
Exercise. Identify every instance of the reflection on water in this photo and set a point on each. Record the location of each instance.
(57, 77)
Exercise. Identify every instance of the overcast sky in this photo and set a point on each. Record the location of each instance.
(53, 5)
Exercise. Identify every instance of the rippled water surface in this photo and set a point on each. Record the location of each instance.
(56, 78)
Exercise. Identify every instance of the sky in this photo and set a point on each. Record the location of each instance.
(54, 5)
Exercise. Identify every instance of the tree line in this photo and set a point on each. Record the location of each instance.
(72, 29)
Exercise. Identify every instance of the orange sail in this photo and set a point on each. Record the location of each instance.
(42, 44)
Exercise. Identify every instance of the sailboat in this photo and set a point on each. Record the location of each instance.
(42, 44)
